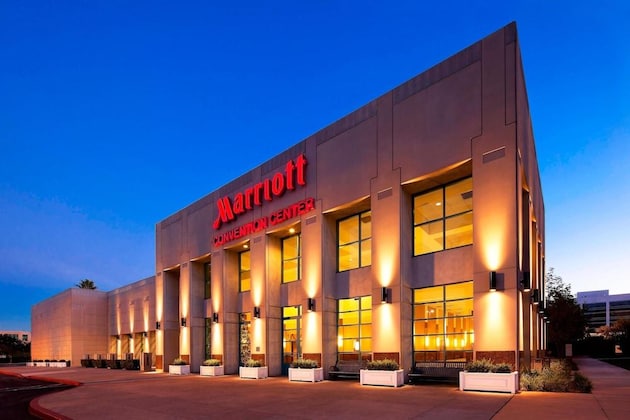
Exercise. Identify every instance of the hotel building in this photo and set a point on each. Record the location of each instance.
(412, 229)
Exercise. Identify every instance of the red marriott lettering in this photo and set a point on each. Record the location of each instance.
(277, 185)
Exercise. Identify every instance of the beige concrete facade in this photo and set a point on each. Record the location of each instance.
(463, 120)
(69, 326)
(466, 117)
(82, 323)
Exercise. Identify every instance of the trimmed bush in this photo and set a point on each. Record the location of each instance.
(581, 383)
(304, 364)
(556, 378)
(179, 362)
(385, 364)
(211, 362)
(253, 363)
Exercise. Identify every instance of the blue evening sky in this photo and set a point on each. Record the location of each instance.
(116, 114)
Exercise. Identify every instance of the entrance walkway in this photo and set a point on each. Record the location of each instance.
(134, 395)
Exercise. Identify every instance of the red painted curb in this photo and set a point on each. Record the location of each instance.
(34, 408)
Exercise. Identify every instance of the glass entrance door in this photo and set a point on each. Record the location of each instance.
(291, 336)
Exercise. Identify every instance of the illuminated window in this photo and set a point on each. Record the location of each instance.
(443, 323)
(354, 325)
(244, 271)
(207, 270)
(442, 218)
(291, 259)
(354, 241)
(291, 334)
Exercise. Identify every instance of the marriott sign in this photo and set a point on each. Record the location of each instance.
(292, 176)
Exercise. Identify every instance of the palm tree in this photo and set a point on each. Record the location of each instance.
(86, 284)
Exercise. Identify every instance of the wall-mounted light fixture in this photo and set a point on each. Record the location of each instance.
(215, 317)
(311, 304)
(130, 335)
(183, 321)
(535, 296)
(256, 311)
(144, 334)
(117, 337)
(493, 281)
(158, 325)
(386, 295)
(526, 282)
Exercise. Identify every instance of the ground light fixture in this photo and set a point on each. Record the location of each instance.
(215, 317)
(256, 311)
(493, 281)
(311, 304)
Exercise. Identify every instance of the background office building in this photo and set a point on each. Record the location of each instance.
(603, 309)
(412, 229)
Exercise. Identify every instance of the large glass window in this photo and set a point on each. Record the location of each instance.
(244, 271)
(354, 241)
(291, 259)
(443, 323)
(442, 218)
(354, 325)
(207, 270)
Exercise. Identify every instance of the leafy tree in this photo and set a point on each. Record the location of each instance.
(86, 284)
(619, 332)
(566, 319)
(14, 348)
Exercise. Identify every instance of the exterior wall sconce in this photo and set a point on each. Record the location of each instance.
(130, 335)
(311, 304)
(493, 281)
(386, 295)
(526, 282)
(256, 311)
(535, 296)
(158, 325)
(215, 317)
(117, 337)
(144, 334)
(183, 321)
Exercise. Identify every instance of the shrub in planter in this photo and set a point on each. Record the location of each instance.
(179, 362)
(253, 363)
(384, 364)
(304, 364)
(211, 362)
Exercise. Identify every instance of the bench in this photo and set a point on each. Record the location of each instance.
(347, 369)
(436, 371)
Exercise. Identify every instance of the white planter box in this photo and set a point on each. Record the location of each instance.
(306, 375)
(393, 378)
(488, 381)
(211, 370)
(30, 364)
(179, 369)
(253, 372)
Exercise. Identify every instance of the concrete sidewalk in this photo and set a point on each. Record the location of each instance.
(133, 395)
